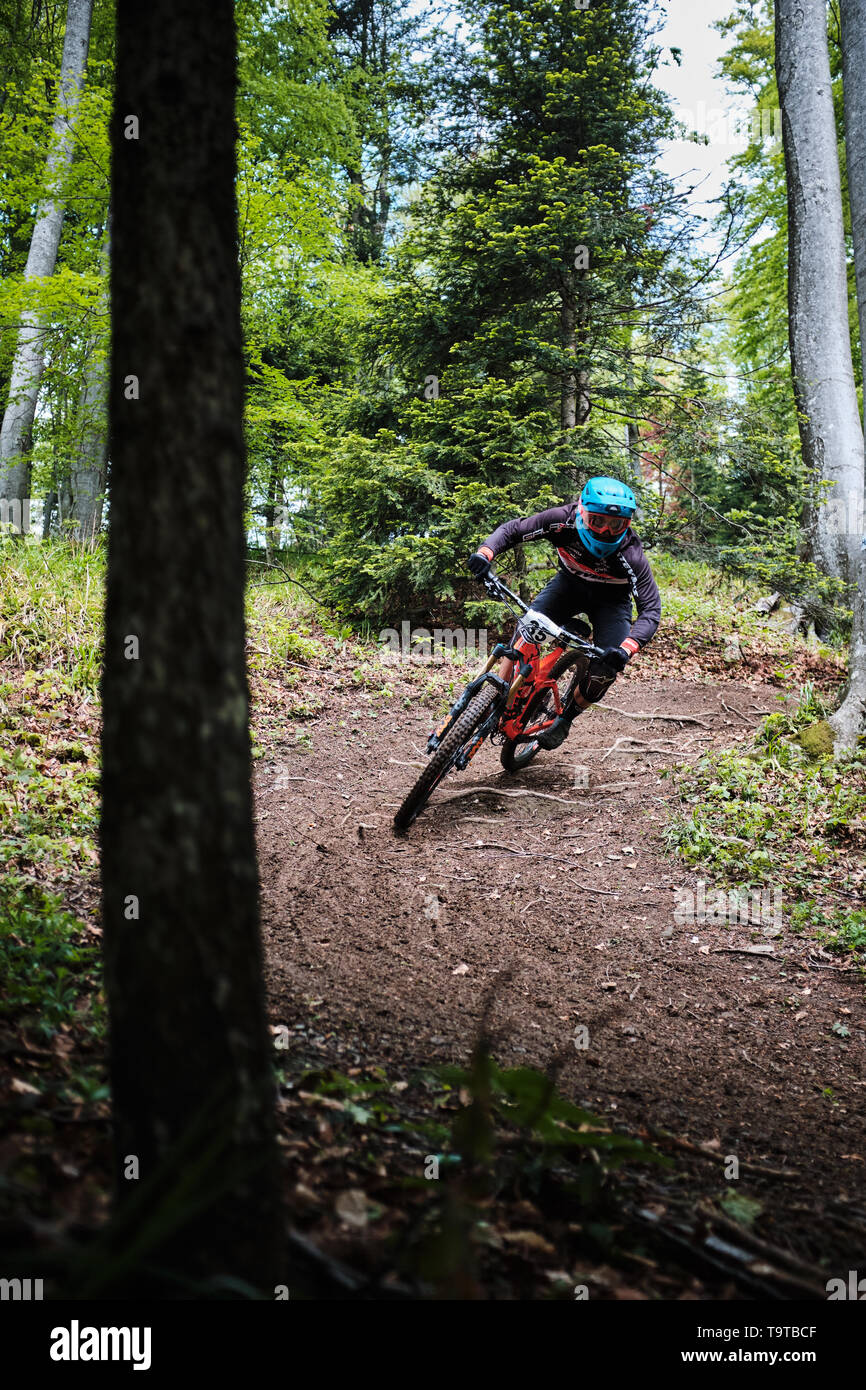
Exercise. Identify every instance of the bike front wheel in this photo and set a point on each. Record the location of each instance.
(442, 760)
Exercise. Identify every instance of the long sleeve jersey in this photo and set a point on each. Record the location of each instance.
(626, 568)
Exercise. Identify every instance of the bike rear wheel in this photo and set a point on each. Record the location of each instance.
(476, 712)
(566, 672)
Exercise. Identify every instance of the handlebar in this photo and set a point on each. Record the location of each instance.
(498, 590)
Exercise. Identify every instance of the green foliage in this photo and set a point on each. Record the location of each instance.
(512, 1135)
(527, 1100)
(387, 55)
(276, 633)
(287, 95)
(51, 612)
(781, 814)
(699, 595)
(411, 199)
(71, 304)
(48, 963)
(487, 311)
(48, 821)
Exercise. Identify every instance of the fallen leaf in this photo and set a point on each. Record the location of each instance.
(351, 1207)
(24, 1088)
(529, 1240)
(741, 1208)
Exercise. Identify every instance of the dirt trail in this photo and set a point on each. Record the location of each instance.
(396, 940)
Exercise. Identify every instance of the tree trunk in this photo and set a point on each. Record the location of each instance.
(823, 374)
(26, 374)
(850, 719)
(191, 1062)
(574, 405)
(48, 511)
(271, 532)
(853, 29)
(632, 430)
(83, 490)
(568, 338)
(82, 493)
(584, 404)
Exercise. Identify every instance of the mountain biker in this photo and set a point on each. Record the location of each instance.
(602, 567)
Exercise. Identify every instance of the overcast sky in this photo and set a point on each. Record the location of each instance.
(697, 90)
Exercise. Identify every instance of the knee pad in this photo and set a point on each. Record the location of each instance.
(596, 682)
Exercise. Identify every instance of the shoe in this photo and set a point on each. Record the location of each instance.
(556, 734)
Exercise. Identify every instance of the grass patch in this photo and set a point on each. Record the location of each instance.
(777, 814)
(49, 817)
(50, 966)
(51, 610)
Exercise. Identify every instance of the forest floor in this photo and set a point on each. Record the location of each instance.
(532, 905)
(662, 1108)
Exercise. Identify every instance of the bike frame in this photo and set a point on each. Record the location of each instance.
(538, 681)
(531, 669)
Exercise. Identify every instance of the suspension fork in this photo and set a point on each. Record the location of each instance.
(502, 685)
(525, 654)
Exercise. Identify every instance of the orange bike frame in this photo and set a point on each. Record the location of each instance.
(511, 724)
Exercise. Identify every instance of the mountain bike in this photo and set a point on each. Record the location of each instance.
(512, 713)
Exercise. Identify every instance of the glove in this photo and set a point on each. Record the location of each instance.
(615, 657)
(479, 564)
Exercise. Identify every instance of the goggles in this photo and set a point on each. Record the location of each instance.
(604, 523)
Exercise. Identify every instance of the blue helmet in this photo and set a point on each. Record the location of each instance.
(605, 508)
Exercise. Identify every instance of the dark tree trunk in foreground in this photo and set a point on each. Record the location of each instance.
(191, 1061)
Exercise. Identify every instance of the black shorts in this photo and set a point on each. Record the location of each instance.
(606, 606)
